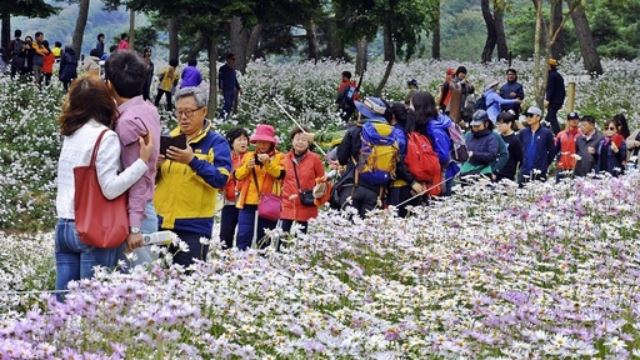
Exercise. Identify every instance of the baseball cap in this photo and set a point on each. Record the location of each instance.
(552, 62)
(479, 117)
(573, 116)
(533, 110)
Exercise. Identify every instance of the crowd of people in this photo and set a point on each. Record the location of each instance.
(397, 154)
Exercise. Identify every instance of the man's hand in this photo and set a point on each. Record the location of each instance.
(182, 156)
(161, 160)
(591, 150)
(614, 147)
(252, 163)
(546, 104)
(134, 241)
(417, 187)
(513, 94)
(263, 158)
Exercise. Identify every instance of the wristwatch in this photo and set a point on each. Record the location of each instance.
(134, 230)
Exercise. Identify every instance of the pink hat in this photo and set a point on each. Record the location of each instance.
(264, 133)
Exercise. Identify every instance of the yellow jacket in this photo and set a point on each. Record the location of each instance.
(185, 196)
(269, 179)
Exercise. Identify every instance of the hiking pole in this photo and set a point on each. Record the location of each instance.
(296, 122)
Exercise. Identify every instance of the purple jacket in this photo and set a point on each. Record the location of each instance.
(191, 77)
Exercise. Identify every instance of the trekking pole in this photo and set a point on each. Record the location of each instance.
(296, 122)
(425, 191)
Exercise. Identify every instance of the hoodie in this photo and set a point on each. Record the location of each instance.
(437, 130)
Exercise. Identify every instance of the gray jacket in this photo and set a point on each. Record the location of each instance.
(587, 163)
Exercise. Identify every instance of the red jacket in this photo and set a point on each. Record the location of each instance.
(47, 63)
(232, 183)
(309, 169)
(344, 85)
(566, 147)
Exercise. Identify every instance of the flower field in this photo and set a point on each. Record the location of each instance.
(495, 272)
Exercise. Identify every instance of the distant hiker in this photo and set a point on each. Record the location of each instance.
(460, 80)
(228, 85)
(191, 76)
(348, 93)
(100, 45)
(505, 124)
(587, 146)
(168, 80)
(68, 67)
(124, 42)
(146, 90)
(555, 94)
(238, 139)
(412, 86)
(494, 101)
(612, 150)
(537, 147)
(17, 54)
(565, 147)
(512, 89)
(445, 90)
(47, 64)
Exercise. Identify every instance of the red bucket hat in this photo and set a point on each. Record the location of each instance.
(264, 133)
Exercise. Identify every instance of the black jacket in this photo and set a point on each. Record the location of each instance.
(555, 88)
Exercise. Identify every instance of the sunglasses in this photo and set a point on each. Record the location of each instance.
(612, 128)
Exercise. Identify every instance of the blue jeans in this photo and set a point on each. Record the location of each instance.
(149, 225)
(76, 260)
(246, 221)
(228, 224)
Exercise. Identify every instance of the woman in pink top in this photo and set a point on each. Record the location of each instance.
(124, 42)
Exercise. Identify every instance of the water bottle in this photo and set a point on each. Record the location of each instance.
(159, 238)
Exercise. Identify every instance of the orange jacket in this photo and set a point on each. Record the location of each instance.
(566, 147)
(309, 169)
(232, 183)
(268, 176)
(47, 63)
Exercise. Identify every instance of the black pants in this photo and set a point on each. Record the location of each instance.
(552, 117)
(159, 96)
(196, 249)
(363, 199)
(228, 224)
(398, 195)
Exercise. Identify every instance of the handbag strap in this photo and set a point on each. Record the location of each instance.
(94, 154)
(295, 171)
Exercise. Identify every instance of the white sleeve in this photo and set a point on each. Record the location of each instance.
(108, 164)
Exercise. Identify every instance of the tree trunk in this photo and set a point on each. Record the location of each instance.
(539, 68)
(361, 56)
(238, 38)
(585, 38)
(81, 23)
(212, 54)
(336, 45)
(174, 49)
(389, 49)
(501, 38)
(435, 40)
(312, 40)
(388, 30)
(489, 21)
(252, 44)
(132, 28)
(557, 48)
(6, 33)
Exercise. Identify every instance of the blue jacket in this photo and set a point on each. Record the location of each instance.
(437, 130)
(555, 88)
(537, 150)
(505, 92)
(483, 145)
(494, 101)
(227, 80)
(191, 77)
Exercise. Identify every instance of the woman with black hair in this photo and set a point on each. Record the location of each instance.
(238, 139)
(428, 121)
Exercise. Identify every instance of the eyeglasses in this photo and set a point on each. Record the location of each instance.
(186, 112)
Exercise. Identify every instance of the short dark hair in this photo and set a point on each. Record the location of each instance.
(45, 43)
(512, 70)
(17, 33)
(113, 48)
(173, 62)
(193, 62)
(124, 36)
(506, 117)
(94, 52)
(588, 118)
(346, 74)
(126, 71)
(235, 133)
(230, 56)
(101, 35)
(461, 69)
(39, 33)
(58, 44)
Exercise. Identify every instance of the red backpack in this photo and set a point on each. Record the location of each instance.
(423, 162)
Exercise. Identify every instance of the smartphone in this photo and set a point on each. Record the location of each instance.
(179, 141)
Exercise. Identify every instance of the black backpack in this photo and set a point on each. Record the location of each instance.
(480, 104)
